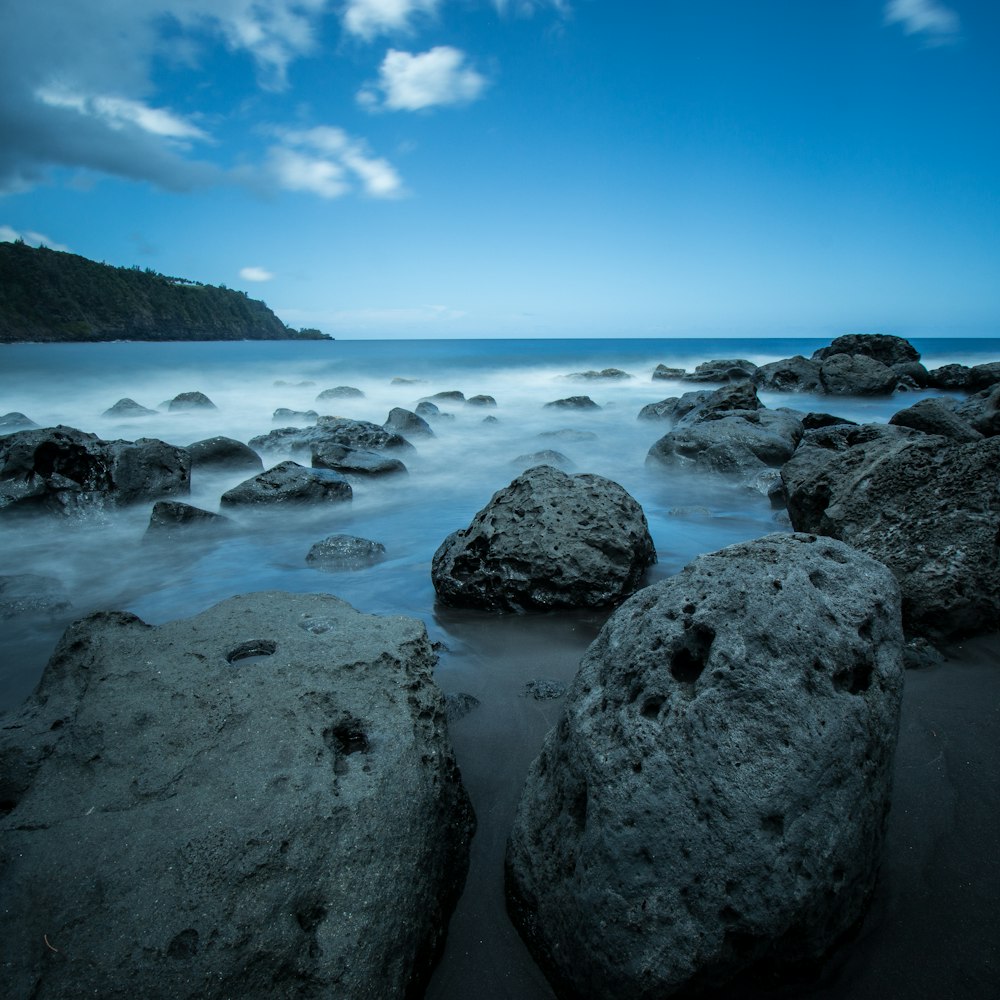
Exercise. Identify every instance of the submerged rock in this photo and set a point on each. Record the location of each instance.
(224, 454)
(548, 540)
(284, 415)
(715, 795)
(331, 431)
(170, 519)
(340, 392)
(544, 457)
(128, 408)
(665, 372)
(573, 403)
(481, 400)
(338, 552)
(289, 483)
(191, 401)
(355, 461)
(15, 421)
(261, 801)
(63, 470)
(605, 374)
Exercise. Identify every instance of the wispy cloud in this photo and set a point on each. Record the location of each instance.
(10, 235)
(326, 161)
(255, 274)
(439, 77)
(369, 18)
(934, 21)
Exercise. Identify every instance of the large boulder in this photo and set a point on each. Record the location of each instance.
(796, 374)
(883, 347)
(224, 454)
(260, 801)
(548, 540)
(331, 431)
(63, 470)
(923, 504)
(191, 401)
(289, 483)
(982, 411)
(407, 423)
(355, 461)
(936, 416)
(721, 370)
(170, 520)
(856, 375)
(714, 798)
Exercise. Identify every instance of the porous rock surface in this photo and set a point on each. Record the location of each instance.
(338, 552)
(407, 423)
(883, 347)
(548, 540)
(64, 470)
(355, 461)
(330, 431)
(856, 375)
(289, 483)
(260, 801)
(925, 505)
(714, 798)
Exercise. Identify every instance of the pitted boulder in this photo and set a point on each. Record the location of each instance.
(727, 370)
(796, 374)
(714, 798)
(289, 483)
(548, 540)
(883, 347)
(261, 801)
(331, 431)
(856, 375)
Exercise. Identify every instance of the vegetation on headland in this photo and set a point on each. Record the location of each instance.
(47, 295)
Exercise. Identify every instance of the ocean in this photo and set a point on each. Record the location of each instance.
(103, 563)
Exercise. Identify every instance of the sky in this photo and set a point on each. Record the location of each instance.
(520, 168)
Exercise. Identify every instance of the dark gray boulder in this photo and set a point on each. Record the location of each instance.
(191, 401)
(984, 376)
(949, 377)
(407, 423)
(856, 375)
(15, 421)
(31, 594)
(170, 519)
(548, 540)
(261, 801)
(936, 416)
(723, 370)
(340, 392)
(887, 349)
(605, 375)
(425, 408)
(63, 470)
(704, 404)
(289, 483)
(665, 372)
(982, 411)
(796, 374)
(573, 403)
(448, 396)
(355, 461)
(330, 431)
(224, 454)
(911, 375)
(283, 415)
(924, 505)
(481, 400)
(714, 798)
(128, 408)
(662, 410)
(340, 552)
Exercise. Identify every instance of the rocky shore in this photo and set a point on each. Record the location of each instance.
(265, 799)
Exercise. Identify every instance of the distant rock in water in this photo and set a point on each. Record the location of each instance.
(284, 416)
(425, 408)
(481, 400)
(66, 471)
(714, 798)
(237, 804)
(340, 392)
(14, 421)
(568, 434)
(331, 431)
(665, 372)
(448, 396)
(289, 483)
(884, 348)
(796, 374)
(729, 370)
(191, 401)
(407, 423)
(340, 552)
(545, 457)
(548, 540)
(573, 403)
(281, 383)
(128, 408)
(170, 519)
(224, 454)
(606, 374)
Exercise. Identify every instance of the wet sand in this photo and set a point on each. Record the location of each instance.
(933, 930)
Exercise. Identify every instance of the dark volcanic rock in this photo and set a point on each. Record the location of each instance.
(448, 396)
(224, 454)
(331, 431)
(340, 392)
(856, 375)
(481, 400)
(171, 519)
(949, 377)
(289, 482)
(15, 421)
(605, 374)
(128, 408)
(191, 401)
(936, 416)
(715, 795)
(796, 374)
(258, 802)
(339, 552)
(31, 594)
(924, 505)
(982, 411)
(283, 415)
(407, 423)
(63, 470)
(548, 540)
(911, 375)
(573, 403)
(882, 347)
(729, 370)
(355, 461)
(662, 371)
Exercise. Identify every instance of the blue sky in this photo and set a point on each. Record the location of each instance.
(440, 168)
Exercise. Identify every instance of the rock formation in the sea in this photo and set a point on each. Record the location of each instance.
(170, 519)
(882, 347)
(285, 416)
(191, 401)
(355, 461)
(729, 370)
(573, 403)
(925, 505)
(482, 400)
(714, 798)
(261, 801)
(548, 540)
(407, 423)
(127, 408)
(545, 457)
(856, 375)
(339, 552)
(665, 372)
(448, 396)
(340, 392)
(224, 454)
(936, 415)
(331, 430)
(797, 374)
(982, 411)
(63, 470)
(604, 375)
(15, 421)
(289, 483)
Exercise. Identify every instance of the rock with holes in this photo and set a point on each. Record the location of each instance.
(713, 801)
(331, 431)
(882, 347)
(66, 471)
(260, 801)
(548, 540)
(926, 505)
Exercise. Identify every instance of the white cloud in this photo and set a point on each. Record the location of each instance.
(255, 274)
(368, 18)
(33, 239)
(435, 78)
(324, 161)
(526, 8)
(938, 23)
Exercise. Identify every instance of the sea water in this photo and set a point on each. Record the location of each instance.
(103, 563)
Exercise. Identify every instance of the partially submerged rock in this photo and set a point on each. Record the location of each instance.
(261, 801)
(715, 795)
(936, 416)
(573, 403)
(882, 347)
(340, 392)
(481, 400)
(605, 374)
(856, 375)
(548, 540)
(283, 415)
(63, 470)
(545, 457)
(191, 401)
(289, 483)
(128, 408)
(407, 423)
(170, 519)
(796, 374)
(665, 372)
(331, 431)
(355, 461)
(224, 454)
(339, 552)
(15, 421)
(722, 370)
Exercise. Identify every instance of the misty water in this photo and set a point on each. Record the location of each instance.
(103, 562)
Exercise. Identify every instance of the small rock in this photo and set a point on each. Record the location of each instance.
(128, 408)
(340, 552)
(340, 392)
(544, 689)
